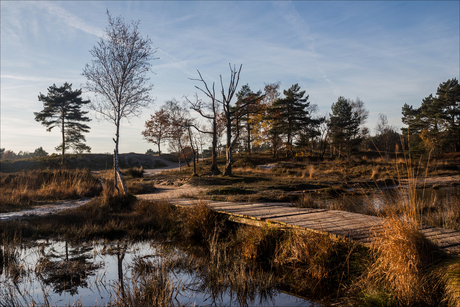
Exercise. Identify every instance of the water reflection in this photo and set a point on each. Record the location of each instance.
(384, 199)
(66, 268)
(116, 273)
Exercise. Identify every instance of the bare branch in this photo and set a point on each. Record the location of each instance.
(118, 74)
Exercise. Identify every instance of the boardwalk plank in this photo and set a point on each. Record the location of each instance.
(358, 227)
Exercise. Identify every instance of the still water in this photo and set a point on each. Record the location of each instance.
(91, 274)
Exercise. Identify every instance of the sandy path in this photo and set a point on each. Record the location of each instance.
(44, 209)
(166, 192)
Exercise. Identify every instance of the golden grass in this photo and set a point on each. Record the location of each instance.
(312, 251)
(452, 284)
(28, 187)
(375, 173)
(311, 171)
(259, 243)
(404, 261)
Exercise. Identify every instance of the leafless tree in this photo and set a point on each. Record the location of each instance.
(201, 139)
(230, 115)
(118, 76)
(387, 137)
(209, 111)
(189, 124)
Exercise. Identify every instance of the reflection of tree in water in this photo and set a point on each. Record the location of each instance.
(66, 270)
(120, 251)
(222, 275)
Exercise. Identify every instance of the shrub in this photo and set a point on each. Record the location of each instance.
(135, 172)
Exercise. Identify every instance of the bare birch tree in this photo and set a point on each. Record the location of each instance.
(118, 77)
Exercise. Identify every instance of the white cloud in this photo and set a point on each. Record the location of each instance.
(28, 78)
(70, 19)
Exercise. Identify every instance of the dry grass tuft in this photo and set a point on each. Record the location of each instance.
(135, 172)
(116, 202)
(199, 222)
(375, 172)
(259, 243)
(311, 171)
(311, 251)
(404, 258)
(306, 200)
(452, 286)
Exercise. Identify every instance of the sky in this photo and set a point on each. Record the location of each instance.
(387, 53)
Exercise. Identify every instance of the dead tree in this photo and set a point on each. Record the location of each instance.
(229, 112)
(209, 111)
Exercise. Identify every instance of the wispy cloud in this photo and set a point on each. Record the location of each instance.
(70, 19)
(28, 78)
(298, 23)
(176, 63)
(301, 27)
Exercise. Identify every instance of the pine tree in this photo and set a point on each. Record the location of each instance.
(344, 126)
(267, 117)
(291, 115)
(449, 98)
(252, 106)
(435, 125)
(62, 108)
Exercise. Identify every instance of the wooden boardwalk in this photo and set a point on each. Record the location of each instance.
(354, 226)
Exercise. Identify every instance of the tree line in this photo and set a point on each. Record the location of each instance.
(288, 124)
(11, 155)
(285, 123)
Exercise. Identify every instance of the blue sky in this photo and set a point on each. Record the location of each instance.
(387, 53)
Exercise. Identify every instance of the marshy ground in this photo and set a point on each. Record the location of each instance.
(405, 269)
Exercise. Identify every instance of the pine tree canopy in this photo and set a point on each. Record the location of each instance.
(435, 125)
(62, 108)
(344, 125)
(291, 113)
